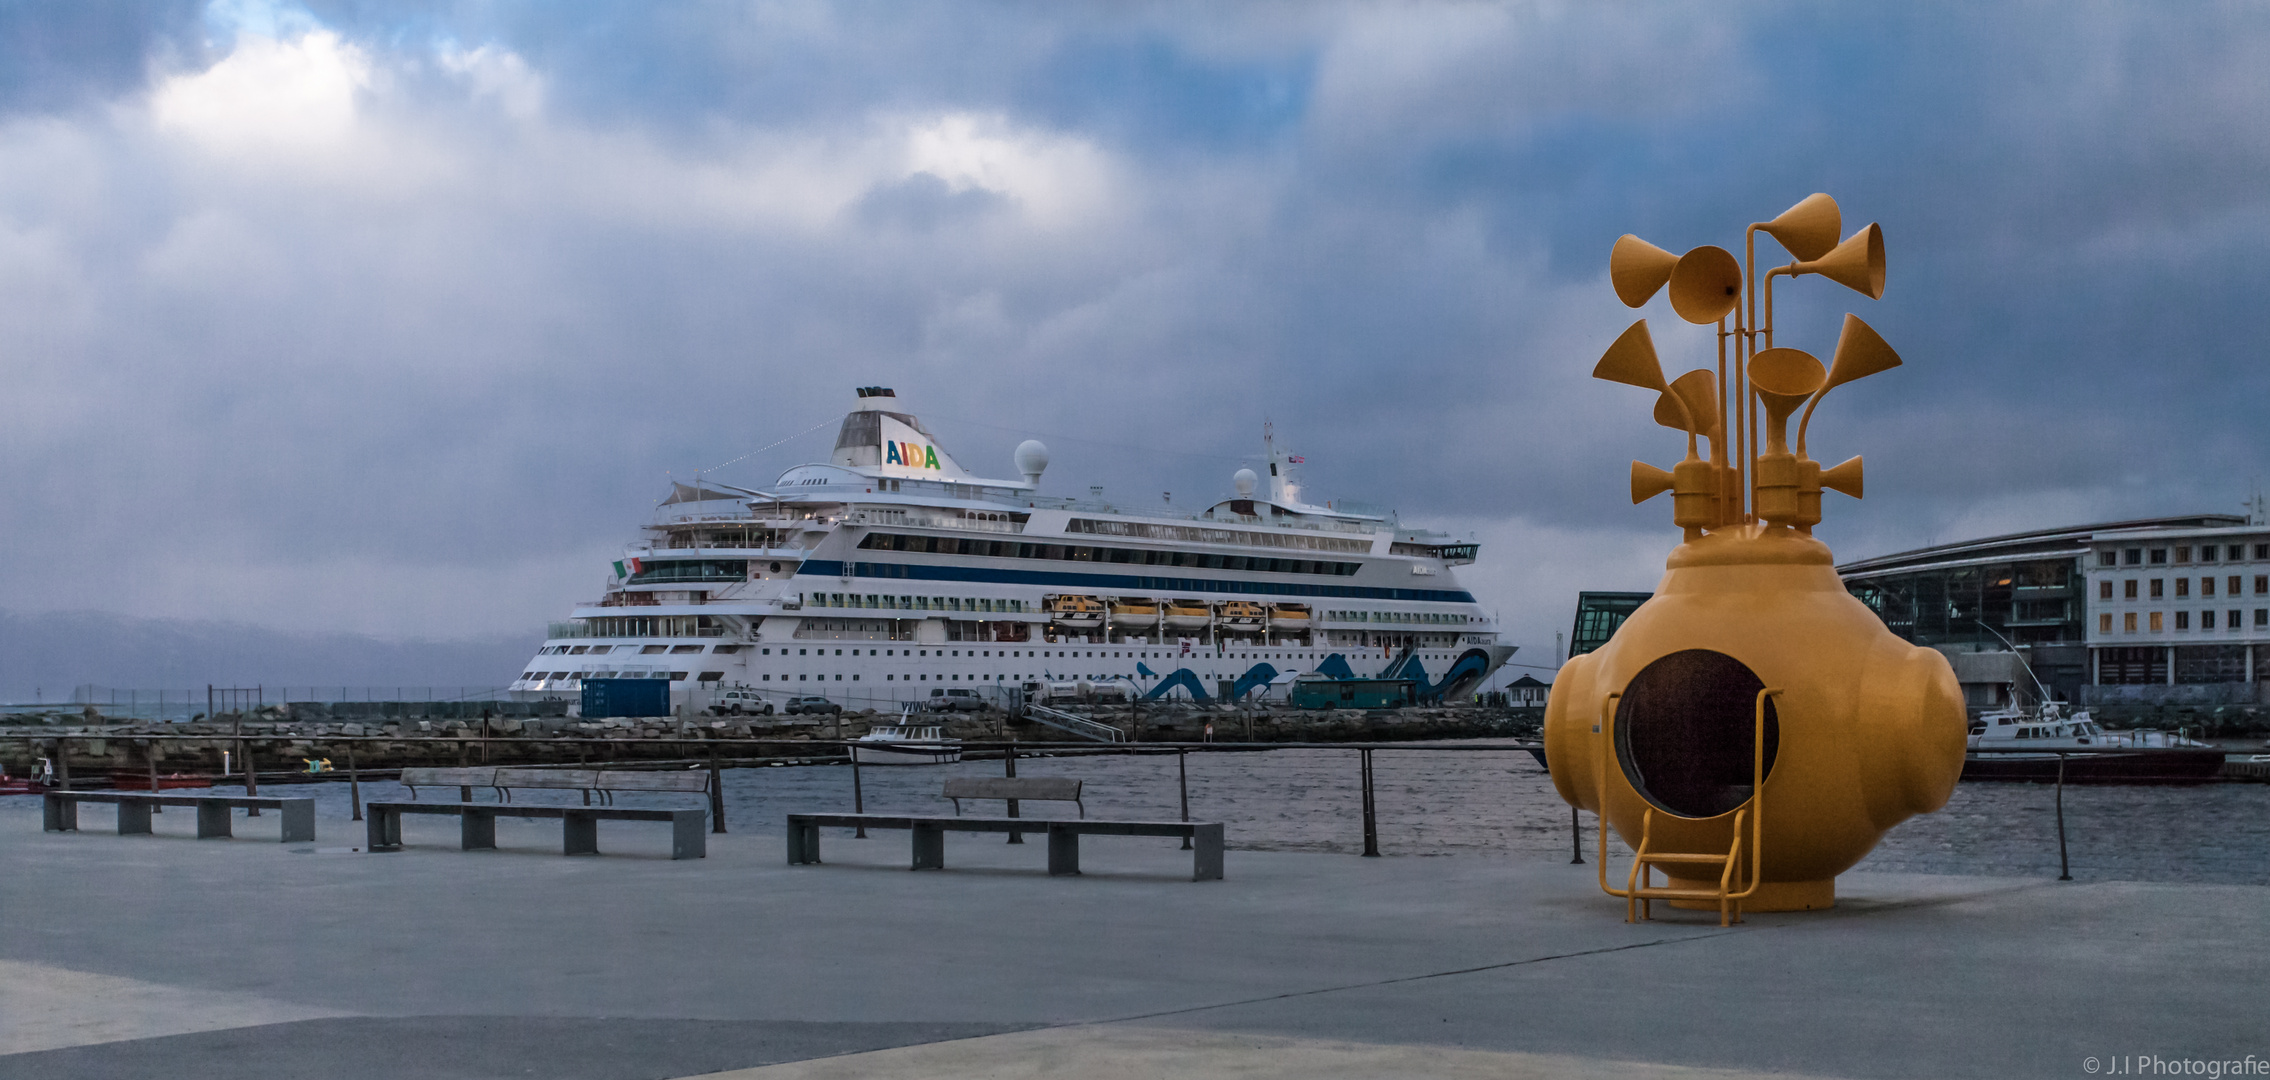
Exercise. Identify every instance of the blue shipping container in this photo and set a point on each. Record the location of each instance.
(626, 697)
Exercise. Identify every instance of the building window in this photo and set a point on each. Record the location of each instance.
(2128, 588)
(2230, 620)
(2104, 623)
(2207, 552)
(2108, 558)
(2261, 584)
(2128, 621)
(2234, 583)
(2183, 585)
(2159, 556)
(2133, 556)
(2156, 588)
(2104, 589)
(2183, 620)
(2262, 617)
(2261, 551)
(2132, 665)
(2183, 554)
(2206, 587)
(2158, 626)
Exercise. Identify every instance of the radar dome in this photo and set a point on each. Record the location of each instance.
(1032, 460)
(1245, 479)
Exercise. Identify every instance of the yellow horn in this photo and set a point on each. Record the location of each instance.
(1648, 482)
(1783, 379)
(1706, 284)
(1631, 361)
(1856, 264)
(1699, 390)
(1808, 229)
(1637, 269)
(1844, 478)
(1860, 352)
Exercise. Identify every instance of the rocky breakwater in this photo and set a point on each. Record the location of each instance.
(283, 741)
(1190, 722)
(281, 746)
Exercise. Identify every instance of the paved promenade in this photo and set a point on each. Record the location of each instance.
(171, 957)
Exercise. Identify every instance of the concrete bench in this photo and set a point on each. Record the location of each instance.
(1016, 788)
(582, 780)
(579, 825)
(685, 781)
(1063, 837)
(465, 779)
(602, 782)
(60, 811)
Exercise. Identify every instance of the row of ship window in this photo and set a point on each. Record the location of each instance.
(2232, 619)
(1398, 617)
(714, 676)
(882, 601)
(1014, 549)
(2158, 556)
(647, 650)
(2158, 587)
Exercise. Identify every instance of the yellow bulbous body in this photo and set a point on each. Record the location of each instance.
(1868, 729)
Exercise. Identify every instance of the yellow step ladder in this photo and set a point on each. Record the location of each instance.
(1639, 889)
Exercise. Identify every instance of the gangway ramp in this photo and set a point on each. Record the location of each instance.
(1072, 724)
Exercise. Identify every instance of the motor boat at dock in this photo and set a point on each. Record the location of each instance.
(906, 744)
(2028, 745)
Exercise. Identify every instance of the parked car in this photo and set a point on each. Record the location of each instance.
(737, 701)
(810, 705)
(955, 700)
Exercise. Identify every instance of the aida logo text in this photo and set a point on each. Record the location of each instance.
(905, 453)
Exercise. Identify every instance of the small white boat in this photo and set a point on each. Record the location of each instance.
(906, 744)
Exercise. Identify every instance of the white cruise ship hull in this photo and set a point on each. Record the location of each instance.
(872, 581)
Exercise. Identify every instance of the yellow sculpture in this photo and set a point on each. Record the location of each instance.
(1752, 730)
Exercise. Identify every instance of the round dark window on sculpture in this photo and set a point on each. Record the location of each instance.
(1686, 731)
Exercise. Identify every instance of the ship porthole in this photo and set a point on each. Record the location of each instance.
(1686, 732)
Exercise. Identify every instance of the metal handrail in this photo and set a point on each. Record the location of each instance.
(1606, 730)
(1758, 797)
(1074, 724)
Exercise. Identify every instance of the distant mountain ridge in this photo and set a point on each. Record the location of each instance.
(48, 654)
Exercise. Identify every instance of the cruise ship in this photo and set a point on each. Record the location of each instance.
(890, 571)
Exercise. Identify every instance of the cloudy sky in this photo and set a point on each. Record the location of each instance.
(395, 318)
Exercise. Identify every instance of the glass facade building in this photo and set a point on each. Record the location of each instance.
(2047, 596)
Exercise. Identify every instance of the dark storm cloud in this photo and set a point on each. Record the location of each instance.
(409, 348)
(63, 56)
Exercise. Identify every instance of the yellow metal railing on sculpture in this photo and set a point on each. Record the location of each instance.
(1639, 886)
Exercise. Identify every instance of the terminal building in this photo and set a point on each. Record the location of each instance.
(2153, 611)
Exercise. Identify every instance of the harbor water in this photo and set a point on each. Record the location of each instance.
(1466, 803)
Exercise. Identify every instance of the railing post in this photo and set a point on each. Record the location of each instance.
(1371, 819)
(2064, 867)
(1009, 769)
(858, 796)
(1576, 838)
(716, 793)
(1182, 780)
(251, 774)
(354, 783)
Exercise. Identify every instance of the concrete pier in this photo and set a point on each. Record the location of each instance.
(168, 956)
